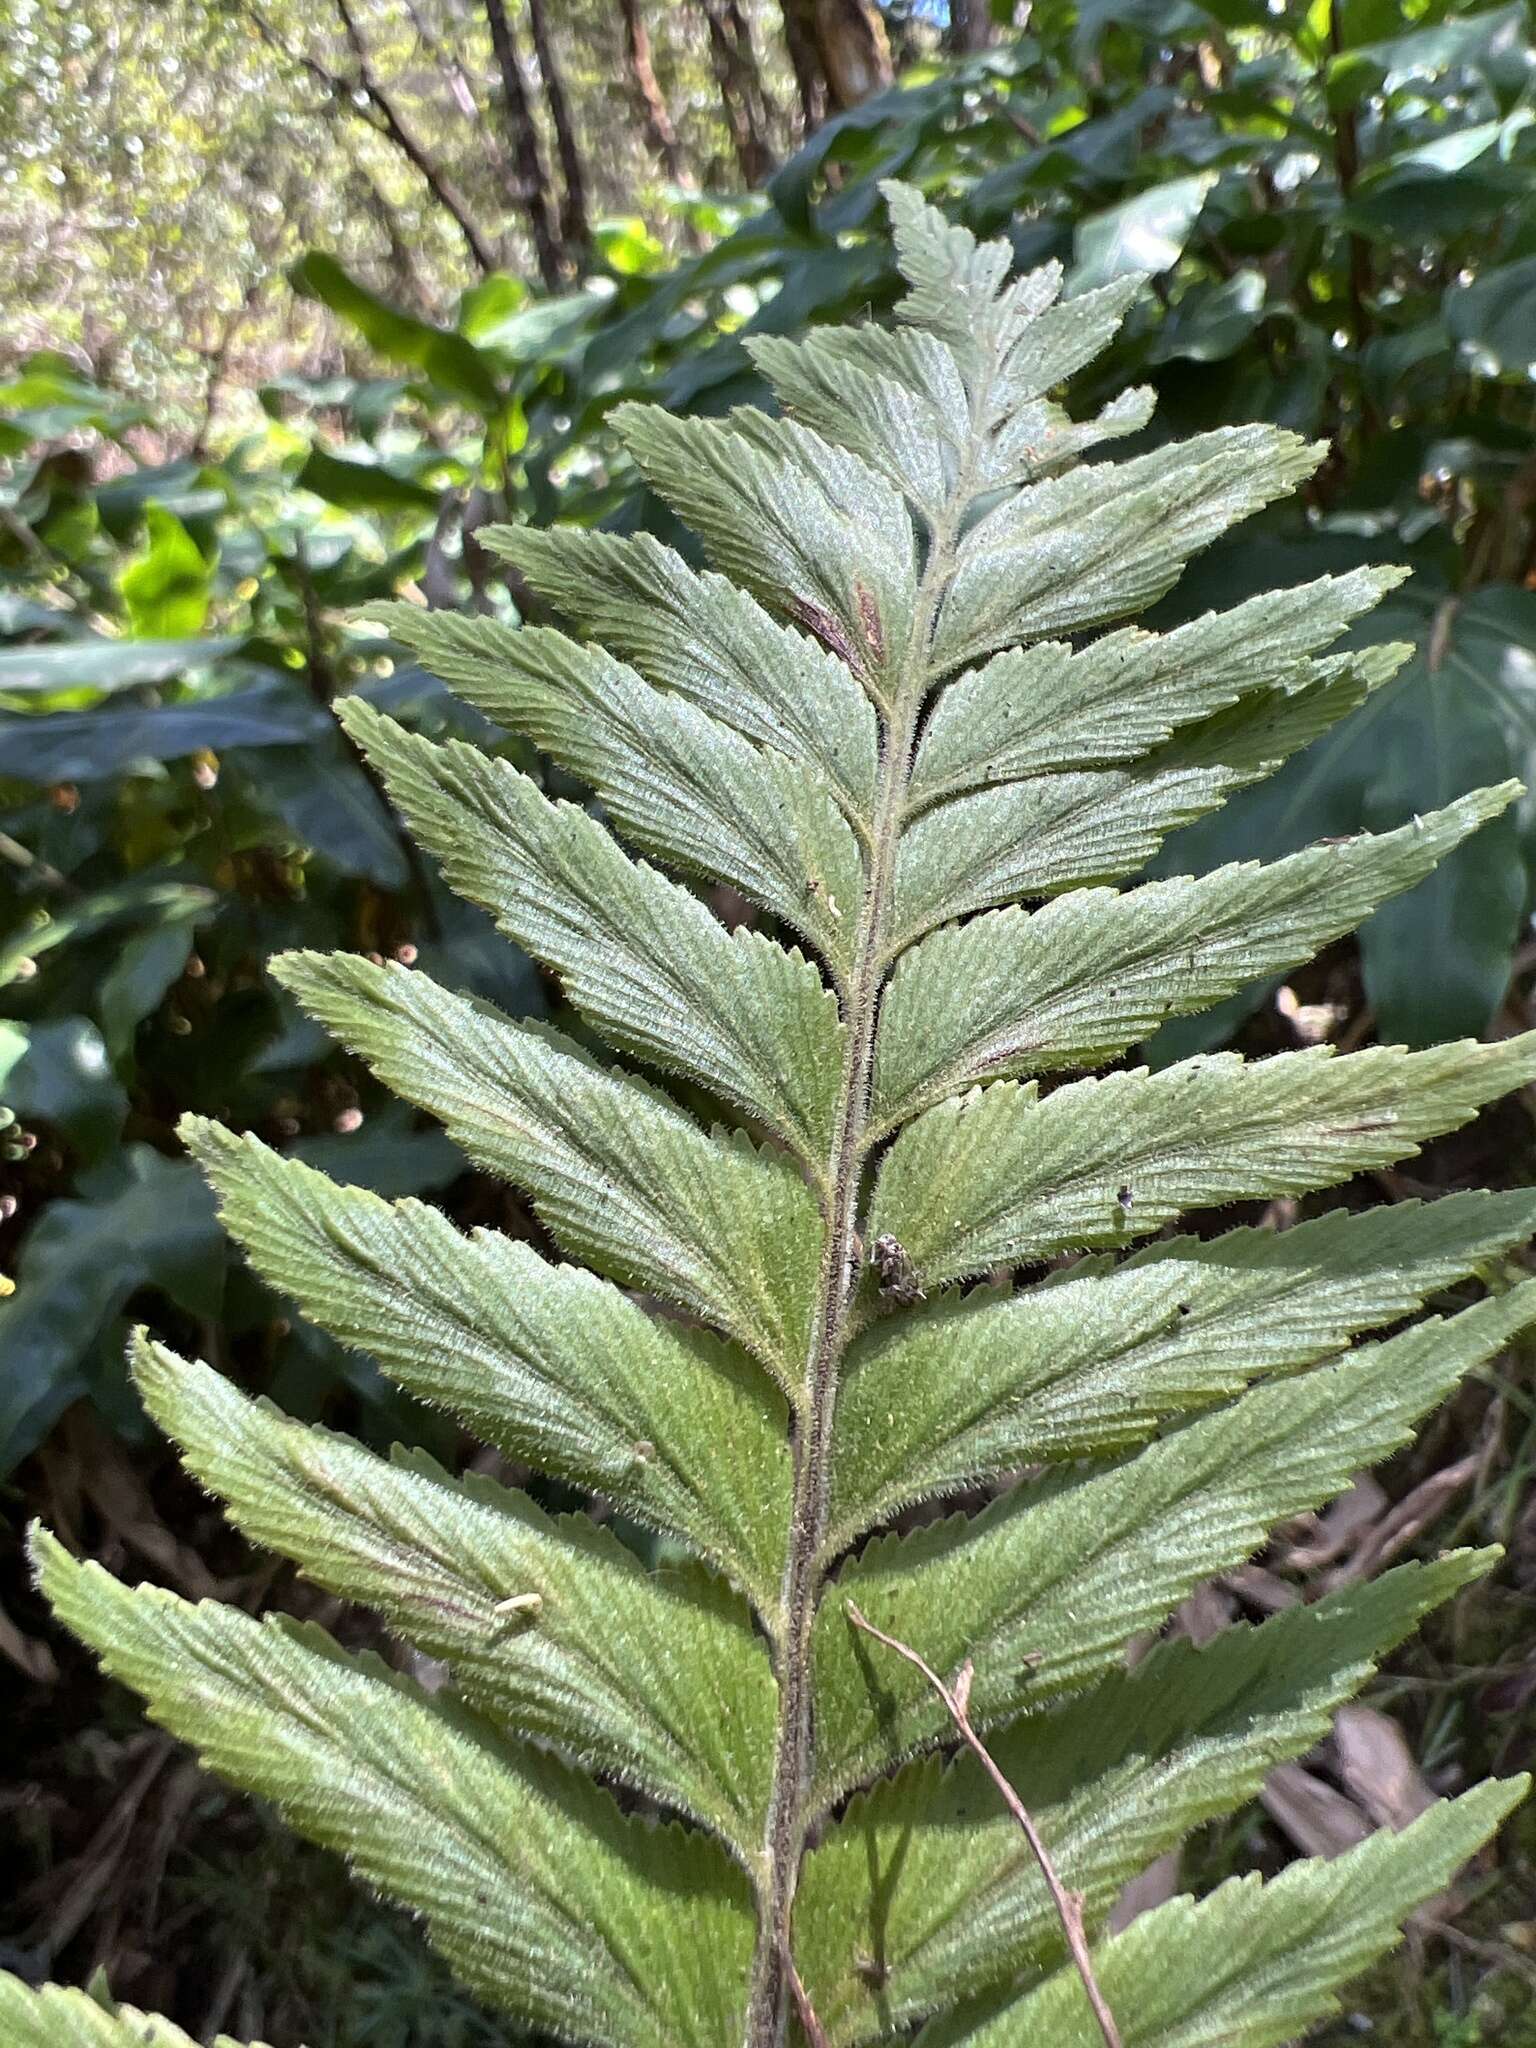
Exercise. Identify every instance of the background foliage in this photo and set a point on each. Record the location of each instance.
(268, 361)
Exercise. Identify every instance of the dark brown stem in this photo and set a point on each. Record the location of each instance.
(1068, 1904)
(530, 186)
(575, 231)
(971, 26)
(1031, 134)
(364, 97)
(392, 123)
(741, 94)
(218, 365)
(656, 121)
(855, 51)
(814, 2032)
(800, 41)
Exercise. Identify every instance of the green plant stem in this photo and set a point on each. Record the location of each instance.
(840, 1273)
(773, 1985)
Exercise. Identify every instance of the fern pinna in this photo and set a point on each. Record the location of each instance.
(699, 1805)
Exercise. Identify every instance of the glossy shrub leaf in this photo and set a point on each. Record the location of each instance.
(90, 746)
(1143, 234)
(167, 588)
(446, 359)
(1494, 315)
(139, 1221)
(99, 664)
(362, 486)
(1459, 714)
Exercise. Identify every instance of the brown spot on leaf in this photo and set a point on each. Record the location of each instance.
(826, 629)
(869, 619)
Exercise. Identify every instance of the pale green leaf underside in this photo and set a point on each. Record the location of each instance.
(1044, 1594)
(1098, 1360)
(1086, 548)
(800, 522)
(1010, 340)
(1041, 709)
(700, 635)
(976, 399)
(1113, 1780)
(549, 1626)
(53, 2017)
(645, 961)
(959, 289)
(1076, 982)
(621, 1176)
(916, 434)
(1002, 1175)
(548, 1363)
(681, 784)
(543, 1897)
(1255, 1964)
(832, 386)
(1040, 835)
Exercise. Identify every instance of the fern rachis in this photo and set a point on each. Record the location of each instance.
(657, 1802)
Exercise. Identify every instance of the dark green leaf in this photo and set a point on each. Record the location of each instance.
(362, 486)
(105, 665)
(1495, 315)
(58, 1072)
(142, 1221)
(87, 746)
(447, 360)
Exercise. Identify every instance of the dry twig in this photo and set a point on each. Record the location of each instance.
(1069, 1904)
(814, 2032)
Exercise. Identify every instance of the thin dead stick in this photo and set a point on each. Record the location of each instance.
(814, 2032)
(1069, 1905)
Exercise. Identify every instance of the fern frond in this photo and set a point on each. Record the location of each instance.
(644, 960)
(840, 384)
(1038, 710)
(699, 635)
(1043, 1595)
(1009, 341)
(878, 719)
(621, 1176)
(1003, 1175)
(680, 784)
(1040, 835)
(796, 520)
(1101, 1361)
(1076, 982)
(1086, 548)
